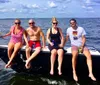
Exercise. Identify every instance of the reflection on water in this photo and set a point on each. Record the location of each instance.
(39, 80)
(23, 79)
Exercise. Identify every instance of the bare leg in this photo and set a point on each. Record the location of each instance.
(53, 58)
(16, 48)
(28, 50)
(74, 59)
(10, 48)
(60, 59)
(89, 63)
(36, 52)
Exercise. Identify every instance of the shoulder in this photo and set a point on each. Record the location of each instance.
(12, 27)
(69, 28)
(59, 29)
(48, 31)
(39, 28)
(80, 28)
(22, 28)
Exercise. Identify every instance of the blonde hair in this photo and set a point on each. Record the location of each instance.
(54, 19)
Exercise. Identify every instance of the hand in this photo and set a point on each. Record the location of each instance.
(1, 36)
(60, 45)
(51, 44)
(43, 46)
(27, 46)
(81, 49)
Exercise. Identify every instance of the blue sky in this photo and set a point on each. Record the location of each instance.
(49, 8)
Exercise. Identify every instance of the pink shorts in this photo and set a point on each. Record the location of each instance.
(76, 48)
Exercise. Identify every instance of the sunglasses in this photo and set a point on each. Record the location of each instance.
(31, 23)
(17, 22)
(55, 23)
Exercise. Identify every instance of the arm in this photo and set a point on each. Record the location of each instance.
(43, 38)
(48, 37)
(62, 38)
(25, 37)
(7, 34)
(66, 39)
(83, 40)
(83, 43)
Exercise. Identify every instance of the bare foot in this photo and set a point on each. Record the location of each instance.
(75, 77)
(8, 65)
(59, 72)
(27, 65)
(92, 77)
(51, 72)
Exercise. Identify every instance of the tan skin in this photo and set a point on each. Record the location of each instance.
(54, 52)
(12, 45)
(34, 33)
(75, 54)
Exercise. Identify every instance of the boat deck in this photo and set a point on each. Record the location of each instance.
(41, 63)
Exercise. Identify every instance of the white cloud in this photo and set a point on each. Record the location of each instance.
(88, 1)
(35, 6)
(29, 6)
(83, 6)
(90, 8)
(3, 10)
(52, 4)
(8, 10)
(87, 7)
(13, 9)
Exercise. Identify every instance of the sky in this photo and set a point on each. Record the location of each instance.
(49, 8)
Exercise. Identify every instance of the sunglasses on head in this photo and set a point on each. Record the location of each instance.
(17, 22)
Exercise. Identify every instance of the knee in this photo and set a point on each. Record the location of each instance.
(15, 51)
(60, 52)
(38, 50)
(27, 49)
(54, 53)
(89, 58)
(74, 57)
(10, 50)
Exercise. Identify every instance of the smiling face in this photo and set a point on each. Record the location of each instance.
(73, 23)
(31, 23)
(17, 22)
(54, 22)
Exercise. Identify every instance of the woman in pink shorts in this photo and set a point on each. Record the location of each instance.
(16, 32)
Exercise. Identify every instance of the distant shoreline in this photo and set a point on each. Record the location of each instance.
(58, 18)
